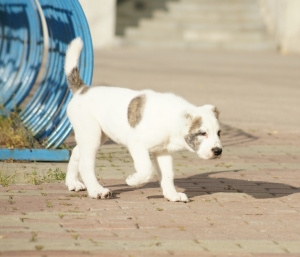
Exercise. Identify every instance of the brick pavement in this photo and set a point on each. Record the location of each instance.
(245, 204)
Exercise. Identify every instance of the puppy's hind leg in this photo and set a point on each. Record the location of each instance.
(143, 166)
(88, 139)
(164, 163)
(72, 181)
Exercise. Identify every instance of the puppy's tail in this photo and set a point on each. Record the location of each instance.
(71, 65)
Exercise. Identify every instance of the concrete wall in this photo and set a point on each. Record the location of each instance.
(100, 15)
(281, 16)
(283, 21)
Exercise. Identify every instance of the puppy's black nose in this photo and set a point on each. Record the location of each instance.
(217, 151)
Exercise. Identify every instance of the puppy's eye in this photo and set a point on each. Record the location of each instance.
(219, 133)
(203, 134)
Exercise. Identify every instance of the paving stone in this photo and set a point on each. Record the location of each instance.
(245, 204)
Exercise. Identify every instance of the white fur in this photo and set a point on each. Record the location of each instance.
(73, 53)
(101, 112)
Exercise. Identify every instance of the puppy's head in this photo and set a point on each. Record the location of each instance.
(202, 133)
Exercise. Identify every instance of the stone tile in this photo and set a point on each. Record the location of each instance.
(245, 204)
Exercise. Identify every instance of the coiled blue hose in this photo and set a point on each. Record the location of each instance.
(21, 51)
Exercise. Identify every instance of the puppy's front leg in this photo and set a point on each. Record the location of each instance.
(164, 163)
(143, 166)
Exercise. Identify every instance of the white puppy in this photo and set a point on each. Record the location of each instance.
(144, 121)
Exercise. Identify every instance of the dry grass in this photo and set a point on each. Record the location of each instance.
(13, 134)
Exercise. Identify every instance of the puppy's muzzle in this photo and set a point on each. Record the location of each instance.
(217, 151)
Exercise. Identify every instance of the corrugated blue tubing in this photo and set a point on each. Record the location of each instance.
(21, 53)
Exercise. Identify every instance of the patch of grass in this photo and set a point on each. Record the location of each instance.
(32, 177)
(39, 247)
(49, 204)
(11, 201)
(65, 204)
(181, 228)
(7, 179)
(50, 177)
(13, 134)
(78, 195)
(75, 236)
(33, 237)
(55, 175)
(223, 165)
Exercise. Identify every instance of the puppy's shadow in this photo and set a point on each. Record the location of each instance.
(207, 184)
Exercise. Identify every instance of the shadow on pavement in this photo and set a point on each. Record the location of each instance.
(204, 184)
(233, 136)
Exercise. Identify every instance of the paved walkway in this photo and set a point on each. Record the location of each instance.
(245, 204)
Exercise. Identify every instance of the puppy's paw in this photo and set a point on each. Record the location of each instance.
(177, 197)
(75, 185)
(136, 181)
(101, 193)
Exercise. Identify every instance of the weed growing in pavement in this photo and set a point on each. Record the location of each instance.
(55, 175)
(39, 247)
(49, 204)
(33, 237)
(65, 204)
(78, 195)
(181, 228)
(50, 177)
(7, 179)
(11, 201)
(32, 177)
(75, 236)
(22, 219)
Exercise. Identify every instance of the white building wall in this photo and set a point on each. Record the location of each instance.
(101, 16)
(282, 18)
(283, 21)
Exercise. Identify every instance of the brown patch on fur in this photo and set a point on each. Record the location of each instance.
(84, 90)
(87, 88)
(216, 112)
(196, 123)
(193, 141)
(135, 110)
(192, 138)
(75, 81)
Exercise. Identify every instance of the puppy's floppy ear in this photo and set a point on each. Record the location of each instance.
(214, 109)
(189, 114)
(194, 121)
